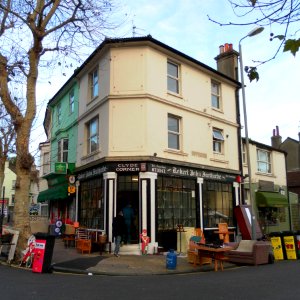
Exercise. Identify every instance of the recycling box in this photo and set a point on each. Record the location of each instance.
(275, 238)
(44, 245)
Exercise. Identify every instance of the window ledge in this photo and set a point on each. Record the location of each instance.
(177, 152)
(217, 110)
(92, 100)
(91, 156)
(265, 174)
(174, 94)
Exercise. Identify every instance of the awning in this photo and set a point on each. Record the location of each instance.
(55, 193)
(270, 199)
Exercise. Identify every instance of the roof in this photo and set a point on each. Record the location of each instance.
(264, 146)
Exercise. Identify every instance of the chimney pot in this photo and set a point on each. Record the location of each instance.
(226, 47)
(230, 47)
(221, 49)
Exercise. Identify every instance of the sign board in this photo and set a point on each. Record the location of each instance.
(71, 189)
(61, 168)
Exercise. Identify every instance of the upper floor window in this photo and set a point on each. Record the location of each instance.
(173, 77)
(244, 153)
(62, 150)
(58, 113)
(173, 132)
(263, 161)
(93, 135)
(94, 83)
(71, 101)
(46, 163)
(218, 140)
(215, 94)
(13, 186)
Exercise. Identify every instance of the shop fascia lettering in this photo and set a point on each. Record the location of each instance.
(92, 173)
(133, 167)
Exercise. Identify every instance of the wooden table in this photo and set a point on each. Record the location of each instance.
(217, 254)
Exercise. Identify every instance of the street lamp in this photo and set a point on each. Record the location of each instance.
(253, 32)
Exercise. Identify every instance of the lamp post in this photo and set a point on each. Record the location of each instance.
(253, 32)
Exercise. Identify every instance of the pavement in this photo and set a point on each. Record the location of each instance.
(69, 260)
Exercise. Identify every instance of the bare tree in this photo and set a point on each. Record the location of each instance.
(285, 13)
(35, 34)
(7, 139)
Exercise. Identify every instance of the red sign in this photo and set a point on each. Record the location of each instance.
(5, 201)
(39, 252)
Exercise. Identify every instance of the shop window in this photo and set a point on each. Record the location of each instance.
(92, 204)
(176, 203)
(217, 204)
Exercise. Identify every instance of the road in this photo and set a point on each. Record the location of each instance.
(278, 281)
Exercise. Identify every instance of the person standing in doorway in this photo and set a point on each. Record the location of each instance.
(118, 228)
(128, 217)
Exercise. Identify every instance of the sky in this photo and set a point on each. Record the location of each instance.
(184, 25)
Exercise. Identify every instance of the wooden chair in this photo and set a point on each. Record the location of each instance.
(224, 232)
(83, 241)
(192, 252)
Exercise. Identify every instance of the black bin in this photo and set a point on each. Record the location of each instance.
(43, 252)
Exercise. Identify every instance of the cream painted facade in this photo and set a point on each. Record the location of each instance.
(133, 107)
(134, 161)
(270, 181)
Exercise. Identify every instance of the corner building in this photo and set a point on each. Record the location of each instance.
(161, 131)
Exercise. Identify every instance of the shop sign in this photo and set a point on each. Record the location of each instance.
(190, 172)
(92, 173)
(61, 168)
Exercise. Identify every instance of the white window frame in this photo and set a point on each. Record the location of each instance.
(264, 165)
(174, 134)
(58, 108)
(215, 95)
(218, 140)
(46, 163)
(63, 150)
(92, 136)
(94, 80)
(244, 153)
(173, 78)
(71, 101)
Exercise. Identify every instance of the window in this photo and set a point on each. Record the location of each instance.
(71, 101)
(58, 113)
(173, 78)
(93, 135)
(62, 150)
(263, 161)
(215, 95)
(94, 84)
(244, 153)
(218, 140)
(173, 132)
(13, 185)
(46, 163)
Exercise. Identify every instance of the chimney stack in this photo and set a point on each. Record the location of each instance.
(227, 61)
(276, 139)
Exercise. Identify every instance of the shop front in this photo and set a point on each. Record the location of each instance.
(162, 197)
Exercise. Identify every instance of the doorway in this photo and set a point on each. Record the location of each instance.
(128, 202)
